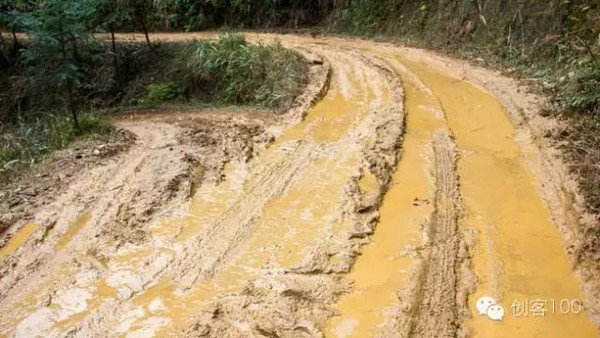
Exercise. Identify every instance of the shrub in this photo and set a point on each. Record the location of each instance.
(230, 70)
(158, 93)
(579, 90)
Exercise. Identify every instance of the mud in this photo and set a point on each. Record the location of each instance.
(21, 198)
(107, 207)
(393, 194)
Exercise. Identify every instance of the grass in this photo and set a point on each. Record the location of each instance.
(226, 71)
(158, 93)
(583, 153)
(25, 143)
(232, 71)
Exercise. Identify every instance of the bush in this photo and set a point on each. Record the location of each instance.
(227, 71)
(579, 90)
(230, 70)
(158, 93)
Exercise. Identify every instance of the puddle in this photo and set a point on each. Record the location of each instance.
(280, 203)
(96, 295)
(384, 265)
(290, 222)
(519, 255)
(324, 123)
(31, 312)
(18, 239)
(73, 230)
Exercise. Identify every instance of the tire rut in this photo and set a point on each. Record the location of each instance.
(436, 311)
(233, 227)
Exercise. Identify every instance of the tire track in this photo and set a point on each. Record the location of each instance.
(257, 238)
(436, 310)
(234, 226)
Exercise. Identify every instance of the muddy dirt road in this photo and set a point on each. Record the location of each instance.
(400, 188)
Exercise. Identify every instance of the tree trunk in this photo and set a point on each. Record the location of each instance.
(115, 56)
(14, 51)
(4, 60)
(14, 35)
(75, 49)
(72, 107)
(143, 23)
(70, 99)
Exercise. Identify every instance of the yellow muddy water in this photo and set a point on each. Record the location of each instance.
(73, 230)
(66, 315)
(18, 239)
(385, 263)
(289, 222)
(518, 255)
(324, 158)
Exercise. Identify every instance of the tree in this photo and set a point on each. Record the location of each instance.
(141, 9)
(60, 43)
(111, 16)
(14, 16)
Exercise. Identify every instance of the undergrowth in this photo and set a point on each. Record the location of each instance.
(230, 70)
(26, 142)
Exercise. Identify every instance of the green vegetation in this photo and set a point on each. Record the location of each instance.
(185, 15)
(226, 71)
(26, 142)
(59, 47)
(158, 93)
(232, 71)
(579, 91)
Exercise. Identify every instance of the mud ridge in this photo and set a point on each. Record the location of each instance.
(436, 312)
(319, 79)
(297, 302)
